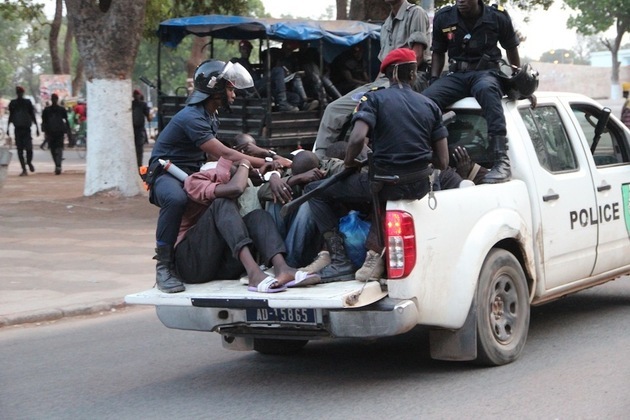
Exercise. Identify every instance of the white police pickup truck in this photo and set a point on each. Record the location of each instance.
(469, 267)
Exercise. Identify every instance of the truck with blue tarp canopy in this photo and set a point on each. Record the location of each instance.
(258, 116)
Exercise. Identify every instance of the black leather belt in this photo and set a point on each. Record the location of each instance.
(461, 66)
(407, 178)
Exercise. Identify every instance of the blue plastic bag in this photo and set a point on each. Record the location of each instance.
(355, 231)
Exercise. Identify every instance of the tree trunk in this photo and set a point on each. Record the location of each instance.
(77, 82)
(53, 39)
(200, 51)
(342, 9)
(66, 62)
(108, 35)
(366, 10)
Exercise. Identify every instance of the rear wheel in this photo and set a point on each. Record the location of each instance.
(503, 309)
(277, 346)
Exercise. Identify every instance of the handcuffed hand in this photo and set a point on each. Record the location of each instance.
(280, 189)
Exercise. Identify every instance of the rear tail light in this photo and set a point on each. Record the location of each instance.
(400, 239)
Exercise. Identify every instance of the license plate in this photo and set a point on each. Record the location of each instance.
(283, 316)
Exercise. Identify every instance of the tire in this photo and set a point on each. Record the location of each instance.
(502, 309)
(278, 347)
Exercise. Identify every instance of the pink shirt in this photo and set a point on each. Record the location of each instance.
(200, 188)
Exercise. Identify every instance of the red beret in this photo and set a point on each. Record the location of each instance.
(19, 89)
(398, 56)
(137, 92)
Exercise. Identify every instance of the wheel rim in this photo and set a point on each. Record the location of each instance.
(504, 309)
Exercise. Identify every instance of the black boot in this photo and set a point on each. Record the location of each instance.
(500, 171)
(340, 267)
(165, 278)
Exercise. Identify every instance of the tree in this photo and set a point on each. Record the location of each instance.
(592, 20)
(62, 60)
(20, 51)
(369, 10)
(108, 34)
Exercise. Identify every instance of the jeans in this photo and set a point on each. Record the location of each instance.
(299, 230)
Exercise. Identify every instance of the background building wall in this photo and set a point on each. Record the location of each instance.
(587, 80)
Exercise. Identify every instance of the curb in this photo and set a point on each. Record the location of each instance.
(45, 315)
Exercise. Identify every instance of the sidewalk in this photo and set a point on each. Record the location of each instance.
(62, 254)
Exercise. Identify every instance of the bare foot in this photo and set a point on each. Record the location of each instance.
(258, 276)
(285, 274)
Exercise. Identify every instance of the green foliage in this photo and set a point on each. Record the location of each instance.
(173, 61)
(523, 5)
(591, 20)
(23, 52)
(24, 10)
(161, 10)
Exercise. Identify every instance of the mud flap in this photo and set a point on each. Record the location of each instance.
(456, 345)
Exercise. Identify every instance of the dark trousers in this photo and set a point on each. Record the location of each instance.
(55, 144)
(24, 145)
(484, 85)
(211, 248)
(168, 194)
(139, 137)
(278, 87)
(355, 192)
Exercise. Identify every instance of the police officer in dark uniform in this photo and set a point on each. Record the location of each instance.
(470, 32)
(407, 135)
(188, 140)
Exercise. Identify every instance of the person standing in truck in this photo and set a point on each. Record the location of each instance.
(407, 138)
(404, 19)
(470, 32)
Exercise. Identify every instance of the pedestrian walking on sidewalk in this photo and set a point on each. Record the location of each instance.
(55, 125)
(140, 114)
(22, 115)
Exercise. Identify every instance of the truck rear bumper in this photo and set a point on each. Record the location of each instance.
(385, 318)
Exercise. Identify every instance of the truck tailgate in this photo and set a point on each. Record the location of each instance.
(345, 294)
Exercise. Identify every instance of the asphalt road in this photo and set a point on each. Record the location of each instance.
(128, 366)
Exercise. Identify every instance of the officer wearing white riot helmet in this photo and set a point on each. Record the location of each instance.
(188, 141)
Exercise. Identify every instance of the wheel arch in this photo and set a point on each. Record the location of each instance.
(461, 344)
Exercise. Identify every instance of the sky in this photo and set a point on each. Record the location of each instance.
(545, 31)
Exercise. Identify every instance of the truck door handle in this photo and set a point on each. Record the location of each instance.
(603, 188)
(550, 197)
